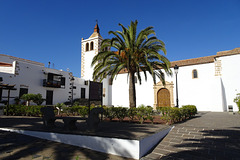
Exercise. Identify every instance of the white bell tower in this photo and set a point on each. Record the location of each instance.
(90, 47)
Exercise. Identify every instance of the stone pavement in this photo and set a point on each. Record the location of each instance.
(210, 135)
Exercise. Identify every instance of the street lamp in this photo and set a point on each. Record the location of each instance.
(176, 72)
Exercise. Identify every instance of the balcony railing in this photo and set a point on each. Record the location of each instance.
(50, 83)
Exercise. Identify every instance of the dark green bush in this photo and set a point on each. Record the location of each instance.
(191, 110)
(120, 113)
(145, 113)
(141, 113)
(36, 98)
(173, 114)
(22, 110)
(110, 112)
(132, 112)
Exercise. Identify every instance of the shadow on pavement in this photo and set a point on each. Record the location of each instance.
(16, 146)
(215, 144)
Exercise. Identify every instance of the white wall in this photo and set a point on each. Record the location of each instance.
(205, 92)
(88, 72)
(231, 78)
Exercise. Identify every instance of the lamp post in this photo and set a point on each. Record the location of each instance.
(176, 72)
(71, 88)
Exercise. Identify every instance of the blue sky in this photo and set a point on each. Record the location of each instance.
(51, 30)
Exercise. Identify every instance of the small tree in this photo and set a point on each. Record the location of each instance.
(37, 98)
(28, 98)
(237, 101)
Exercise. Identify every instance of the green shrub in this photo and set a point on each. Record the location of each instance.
(22, 110)
(191, 110)
(141, 114)
(120, 112)
(36, 98)
(132, 112)
(175, 115)
(83, 111)
(237, 101)
(150, 113)
(110, 112)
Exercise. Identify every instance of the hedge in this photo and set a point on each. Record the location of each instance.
(22, 110)
(173, 114)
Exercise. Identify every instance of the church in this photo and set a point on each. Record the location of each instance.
(210, 83)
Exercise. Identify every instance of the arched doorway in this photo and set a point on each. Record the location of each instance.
(163, 98)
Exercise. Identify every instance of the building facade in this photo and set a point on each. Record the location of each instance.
(33, 77)
(211, 83)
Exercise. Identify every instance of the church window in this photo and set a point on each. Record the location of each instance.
(87, 46)
(91, 46)
(194, 74)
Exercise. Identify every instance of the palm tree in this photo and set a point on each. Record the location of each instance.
(133, 54)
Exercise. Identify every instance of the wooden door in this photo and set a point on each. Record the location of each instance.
(49, 98)
(163, 98)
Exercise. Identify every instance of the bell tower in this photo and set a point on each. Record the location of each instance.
(90, 47)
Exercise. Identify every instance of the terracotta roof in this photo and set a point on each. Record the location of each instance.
(194, 61)
(228, 53)
(2, 64)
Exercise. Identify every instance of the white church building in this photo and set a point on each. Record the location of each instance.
(210, 83)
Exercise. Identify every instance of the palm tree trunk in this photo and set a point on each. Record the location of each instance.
(132, 90)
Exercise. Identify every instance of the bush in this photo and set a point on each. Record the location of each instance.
(191, 110)
(36, 98)
(83, 111)
(120, 113)
(237, 101)
(173, 114)
(131, 113)
(145, 113)
(110, 112)
(22, 110)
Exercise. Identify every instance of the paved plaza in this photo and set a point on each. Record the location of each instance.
(209, 135)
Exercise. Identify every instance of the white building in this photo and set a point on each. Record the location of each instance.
(211, 83)
(32, 77)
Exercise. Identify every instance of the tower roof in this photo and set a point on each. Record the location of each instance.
(96, 31)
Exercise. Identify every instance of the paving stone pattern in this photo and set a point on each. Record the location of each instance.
(208, 136)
